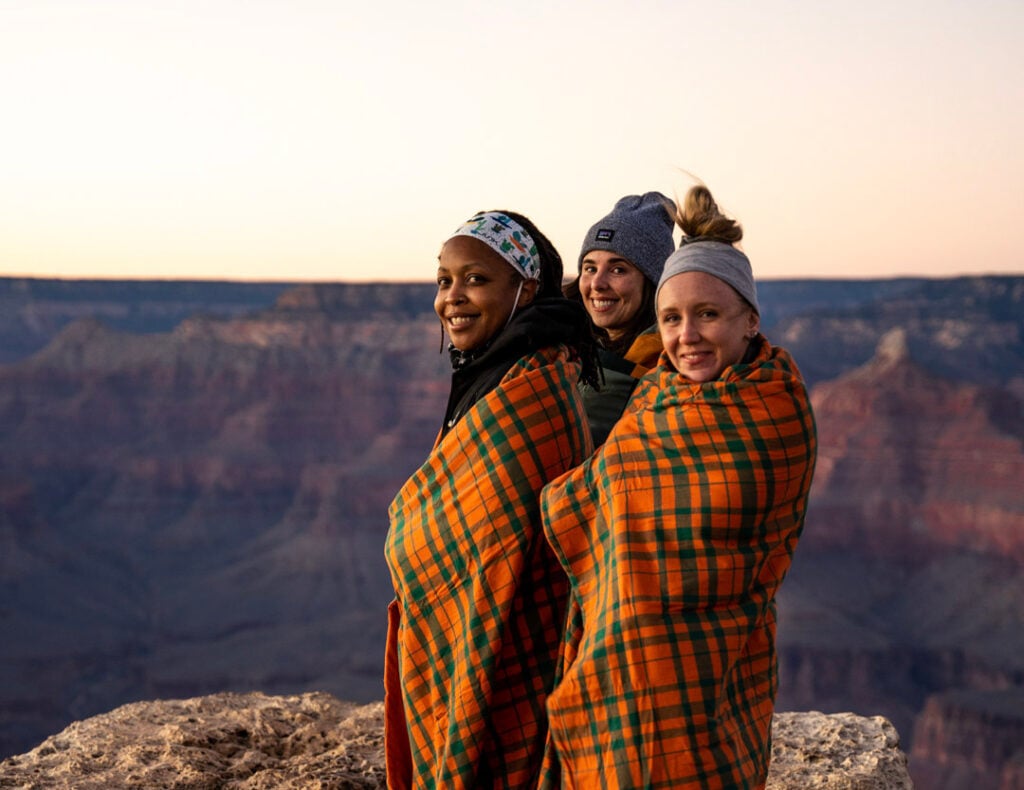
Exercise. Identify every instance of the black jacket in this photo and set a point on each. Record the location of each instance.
(542, 323)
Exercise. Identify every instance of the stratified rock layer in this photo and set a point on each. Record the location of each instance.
(259, 742)
(194, 492)
(971, 739)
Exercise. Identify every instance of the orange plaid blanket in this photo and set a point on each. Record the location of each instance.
(479, 615)
(676, 535)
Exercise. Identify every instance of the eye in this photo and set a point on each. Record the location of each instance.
(588, 268)
(620, 270)
(476, 279)
(443, 282)
(668, 319)
(708, 314)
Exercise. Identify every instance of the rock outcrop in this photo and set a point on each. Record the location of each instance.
(914, 464)
(916, 506)
(909, 577)
(315, 741)
(971, 739)
(839, 751)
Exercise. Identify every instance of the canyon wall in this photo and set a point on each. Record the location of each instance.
(201, 508)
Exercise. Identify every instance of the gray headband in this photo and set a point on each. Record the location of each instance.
(718, 259)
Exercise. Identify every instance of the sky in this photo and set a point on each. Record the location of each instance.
(310, 140)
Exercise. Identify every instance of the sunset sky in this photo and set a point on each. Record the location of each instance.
(316, 140)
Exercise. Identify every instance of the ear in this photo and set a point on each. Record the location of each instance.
(528, 293)
(753, 324)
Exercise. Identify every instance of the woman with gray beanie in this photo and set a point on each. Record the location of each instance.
(620, 262)
(676, 535)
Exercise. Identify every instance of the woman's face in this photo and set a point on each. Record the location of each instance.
(705, 325)
(612, 289)
(476, 290)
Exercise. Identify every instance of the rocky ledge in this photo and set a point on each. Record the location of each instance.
(258, 742)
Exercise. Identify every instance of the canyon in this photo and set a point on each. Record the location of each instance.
(195, 478)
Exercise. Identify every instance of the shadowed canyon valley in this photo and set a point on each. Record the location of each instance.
(195, 478)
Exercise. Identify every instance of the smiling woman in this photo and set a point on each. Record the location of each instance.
(620, 261)
(676, 535)
(474, 285)
(479, 605)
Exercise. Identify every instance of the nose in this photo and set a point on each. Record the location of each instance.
(599, 281)
(454, 294)
(688, 332)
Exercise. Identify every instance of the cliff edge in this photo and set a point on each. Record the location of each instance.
(259, 742)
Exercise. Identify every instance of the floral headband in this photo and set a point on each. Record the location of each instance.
(507, 238)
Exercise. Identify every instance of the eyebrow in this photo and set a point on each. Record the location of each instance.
(610, 260)
(698, 306)
(470, 266)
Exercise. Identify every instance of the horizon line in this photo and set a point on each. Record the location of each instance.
(427, 281)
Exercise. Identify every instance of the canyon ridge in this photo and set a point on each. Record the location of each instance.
(195, 478)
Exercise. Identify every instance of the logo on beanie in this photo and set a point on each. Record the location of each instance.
(605, 234)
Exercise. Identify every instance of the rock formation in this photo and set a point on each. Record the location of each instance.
(198, 505)
(971, 739)
(204, 510)
(315, 741)
(967, 329)
(911, 463)
(33, 311)
(909, 578)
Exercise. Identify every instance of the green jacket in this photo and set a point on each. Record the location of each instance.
(620, 374)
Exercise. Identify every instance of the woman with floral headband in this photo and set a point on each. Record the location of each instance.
(475, 628)
(676, 535)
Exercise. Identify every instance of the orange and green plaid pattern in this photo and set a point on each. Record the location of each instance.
(676, 535)
(479, 615)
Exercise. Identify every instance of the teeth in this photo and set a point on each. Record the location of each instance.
(603, 302)
(459, 320)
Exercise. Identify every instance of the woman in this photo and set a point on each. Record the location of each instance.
(619, 266)
(676, 535)
(475, 628)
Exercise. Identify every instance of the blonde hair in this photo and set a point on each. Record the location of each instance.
(699, 216)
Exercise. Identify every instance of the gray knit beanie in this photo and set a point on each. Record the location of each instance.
(717, 258)
(639, 229)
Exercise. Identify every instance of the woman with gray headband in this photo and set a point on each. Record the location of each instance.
(477, 621)
(676, 535)
(619, 265)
